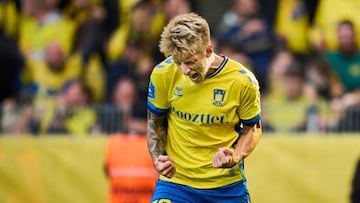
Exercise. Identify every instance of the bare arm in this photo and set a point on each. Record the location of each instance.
(156, 139)
(156, 134)
(227, 158)
(247, 142)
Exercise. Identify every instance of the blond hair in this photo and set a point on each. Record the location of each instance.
(185, 35)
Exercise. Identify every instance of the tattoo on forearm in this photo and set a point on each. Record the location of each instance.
(156, 134)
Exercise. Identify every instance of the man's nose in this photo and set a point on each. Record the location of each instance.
(185, 69)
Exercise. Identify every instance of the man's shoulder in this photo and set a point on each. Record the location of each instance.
(164, 68)
(237, 66)
(165, 65)
(244, 75)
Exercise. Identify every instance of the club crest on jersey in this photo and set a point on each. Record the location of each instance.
(178, 91)
(219, 96)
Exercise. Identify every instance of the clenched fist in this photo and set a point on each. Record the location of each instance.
(163, 164)
(223, 158)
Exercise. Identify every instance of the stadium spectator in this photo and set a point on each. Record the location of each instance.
(289, 100)
(345, 62)
(288, 96)
(69, 114)
(126, 113)
(320, 76)
(280, 62)
(321, 86)
(244, 26)
(323, 34)
(128, 44)
(125, 98)
(44, 79)
(40, 24)
(136, 32)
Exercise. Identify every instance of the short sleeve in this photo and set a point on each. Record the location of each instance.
(250, 108)
(157, 100)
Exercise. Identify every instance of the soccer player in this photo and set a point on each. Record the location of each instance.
(204, 117)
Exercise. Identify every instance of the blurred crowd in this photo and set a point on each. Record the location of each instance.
(82, 67)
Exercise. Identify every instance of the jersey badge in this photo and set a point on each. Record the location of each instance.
(178, 91)
(219, 96)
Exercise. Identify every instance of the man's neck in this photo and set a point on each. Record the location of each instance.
(348, 51)
(217, 60)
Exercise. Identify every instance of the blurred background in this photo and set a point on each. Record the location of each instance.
(74, 74)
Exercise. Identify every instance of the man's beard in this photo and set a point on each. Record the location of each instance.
(348, 50)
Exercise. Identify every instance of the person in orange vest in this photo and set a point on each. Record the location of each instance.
(131, 178)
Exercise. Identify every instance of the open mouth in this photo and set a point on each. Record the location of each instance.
(195, 77)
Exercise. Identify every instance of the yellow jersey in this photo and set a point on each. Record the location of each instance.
(203, 117)
(34, 36)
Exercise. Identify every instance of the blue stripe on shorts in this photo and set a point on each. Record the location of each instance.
(168, 192)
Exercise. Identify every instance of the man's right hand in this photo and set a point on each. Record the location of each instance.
(163, 164)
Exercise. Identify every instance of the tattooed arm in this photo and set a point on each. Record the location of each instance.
(156, 139)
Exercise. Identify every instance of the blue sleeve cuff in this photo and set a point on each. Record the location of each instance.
(156, 110)
(252, 121)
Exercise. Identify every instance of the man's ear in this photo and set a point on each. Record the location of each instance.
(209, 50)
